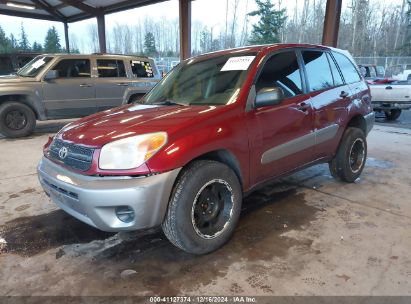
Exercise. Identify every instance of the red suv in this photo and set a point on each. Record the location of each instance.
(215, 128)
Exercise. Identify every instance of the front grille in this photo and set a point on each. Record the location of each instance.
(78, 157)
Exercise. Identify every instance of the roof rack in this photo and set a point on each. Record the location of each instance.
(118, 54)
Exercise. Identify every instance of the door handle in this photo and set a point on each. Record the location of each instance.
(122, 84)
(343, 94)
(389, 88)
(85, 85)
(303, 106)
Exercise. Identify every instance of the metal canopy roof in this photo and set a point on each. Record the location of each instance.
(68, 10)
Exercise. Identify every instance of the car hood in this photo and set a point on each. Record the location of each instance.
(101, 128)
(7, 79)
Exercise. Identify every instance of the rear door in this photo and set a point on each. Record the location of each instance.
(111, 83)
(330, 97)
(281, 136)
(72, 94)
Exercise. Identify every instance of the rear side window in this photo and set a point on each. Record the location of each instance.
(336, 74)
(347, 68)
(142, 69)
(318, 70)
(281, 70)
(73, 68)
(110, 68)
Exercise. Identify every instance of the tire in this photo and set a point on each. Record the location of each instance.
(204, 207)
(351, 156)
(135, 98)
(392, 114)
(16, 119)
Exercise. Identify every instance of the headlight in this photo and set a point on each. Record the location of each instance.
(131, 152)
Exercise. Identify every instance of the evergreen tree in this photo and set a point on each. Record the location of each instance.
(215, 45)
(5, 45)
(14, 46)
(37, 47)
(150, 44)
(268, 27)
(52, 41)
(205, 40)
(24, 44)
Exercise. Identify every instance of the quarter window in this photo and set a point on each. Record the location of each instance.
(142, 69)
(318, 70)
(281, 70)
(73, 68)
(347, 68)
(110, 68)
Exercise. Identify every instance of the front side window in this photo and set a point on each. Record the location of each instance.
(380, 71)
(34, 67)
(318, 70)
(281, 70)
(141, 68)
(110, 68)
(73, 68)
(347, 68)
(199, 81)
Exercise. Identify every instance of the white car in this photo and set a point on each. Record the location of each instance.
(391, 98)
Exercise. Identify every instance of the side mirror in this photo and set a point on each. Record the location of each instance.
(52, 74)
(269, 97)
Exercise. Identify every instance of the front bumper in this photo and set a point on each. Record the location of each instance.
(93, 200)
(369, 120)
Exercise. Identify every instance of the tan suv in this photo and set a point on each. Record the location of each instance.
(54, 86)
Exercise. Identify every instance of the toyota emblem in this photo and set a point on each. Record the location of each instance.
(63, 152)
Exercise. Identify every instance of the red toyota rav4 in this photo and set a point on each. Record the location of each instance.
(216, 127)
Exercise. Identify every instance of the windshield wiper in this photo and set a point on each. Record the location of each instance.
(170, 103)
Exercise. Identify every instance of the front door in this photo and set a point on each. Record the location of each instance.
(72, 94)
(281, 136)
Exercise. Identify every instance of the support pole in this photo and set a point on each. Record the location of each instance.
(66, 37)
(185, 28)
(101, 26)
(332, 22)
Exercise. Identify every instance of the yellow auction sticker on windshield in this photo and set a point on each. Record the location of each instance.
(238, 63)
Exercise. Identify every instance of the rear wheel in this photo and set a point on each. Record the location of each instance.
(392, 114)
(349, 161)
(16, 119)
(204, 207)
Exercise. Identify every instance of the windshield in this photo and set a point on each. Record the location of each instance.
(215, 81)
(32, 68)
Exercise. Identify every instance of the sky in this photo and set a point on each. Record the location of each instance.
(211, 13)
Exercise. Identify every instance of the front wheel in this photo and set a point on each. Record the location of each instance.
(16, 119)
(393, 114)
(349, 161)
(204, 207)
(135, 98)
